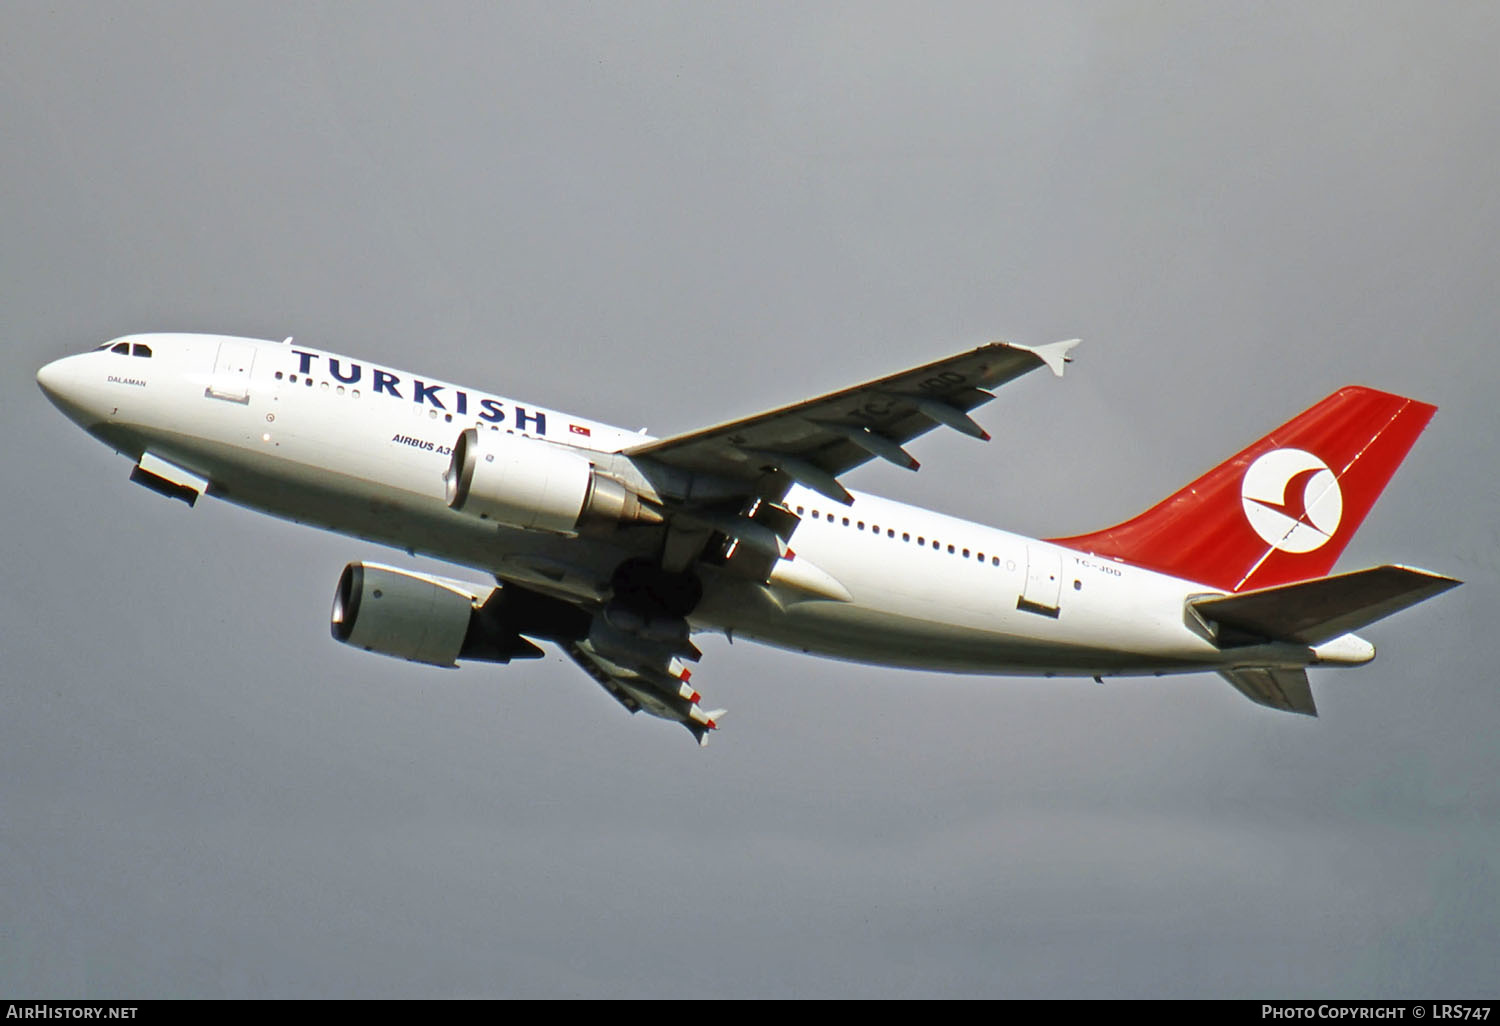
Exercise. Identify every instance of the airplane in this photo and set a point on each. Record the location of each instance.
(618, 547)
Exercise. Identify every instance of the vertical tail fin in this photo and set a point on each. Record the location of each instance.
(1281, 510)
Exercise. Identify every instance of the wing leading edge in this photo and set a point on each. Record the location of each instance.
(813, 442)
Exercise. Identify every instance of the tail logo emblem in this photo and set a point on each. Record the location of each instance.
(1292, 500)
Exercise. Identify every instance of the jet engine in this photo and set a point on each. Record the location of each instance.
(532, 484)
(421, 618)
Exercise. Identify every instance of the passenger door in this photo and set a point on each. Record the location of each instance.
(1043, 588)
(231, 377)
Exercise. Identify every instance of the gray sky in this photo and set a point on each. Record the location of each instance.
(663, 215)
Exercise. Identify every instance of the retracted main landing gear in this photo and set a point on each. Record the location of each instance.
(646, 617)
(642, 585)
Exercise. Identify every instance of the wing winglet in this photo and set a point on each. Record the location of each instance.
(702, 730)
(1053, 354)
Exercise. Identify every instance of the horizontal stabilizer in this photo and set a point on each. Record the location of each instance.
(1286, 690)
(1311, 612)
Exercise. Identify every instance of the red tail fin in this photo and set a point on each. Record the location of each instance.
(1281, 510)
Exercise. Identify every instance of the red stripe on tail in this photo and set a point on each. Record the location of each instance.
(1281, 510)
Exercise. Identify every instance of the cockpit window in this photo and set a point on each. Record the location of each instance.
(120, 347)
(140, 350)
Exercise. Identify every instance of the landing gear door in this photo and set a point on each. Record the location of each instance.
(1043, 581)
(231, 379)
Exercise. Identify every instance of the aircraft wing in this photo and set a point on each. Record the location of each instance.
(811, 443)
(660, 692)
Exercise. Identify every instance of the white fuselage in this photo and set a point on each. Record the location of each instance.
(361, 449)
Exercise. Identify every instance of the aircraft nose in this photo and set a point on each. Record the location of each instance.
(50, 378)
(58, 383)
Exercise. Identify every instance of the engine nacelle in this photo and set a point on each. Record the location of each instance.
(536, 485)
(412, 616)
